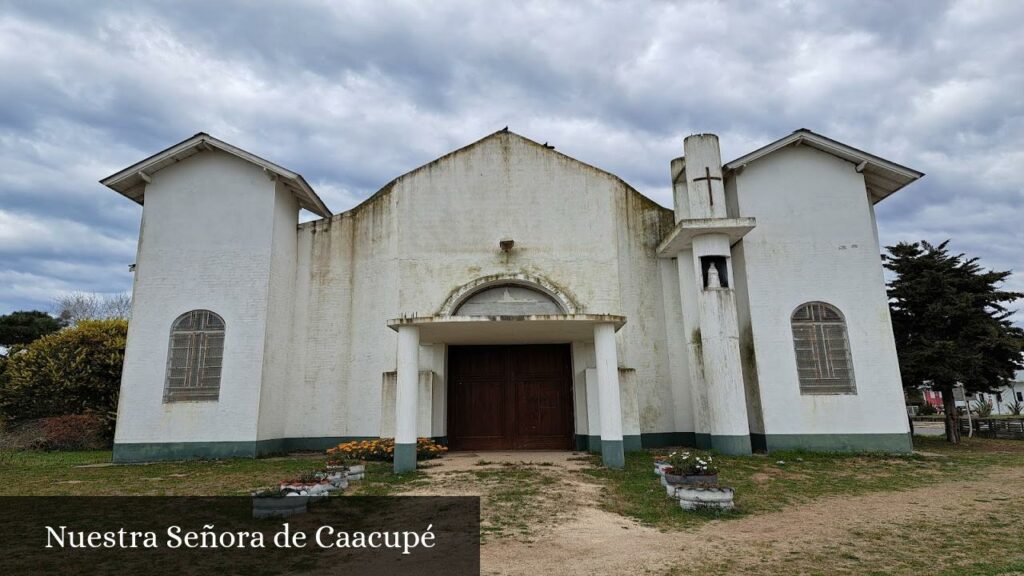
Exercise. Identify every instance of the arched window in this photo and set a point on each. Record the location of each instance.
(195, 357)
(508, 300)
(823, 361)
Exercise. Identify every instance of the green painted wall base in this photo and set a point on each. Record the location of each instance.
(895, 443)
(612, 454)
(405, 458)
(153, 451)
(731, 445)
(702, 441)
(665, 439)
(630, 443)
(157, 451)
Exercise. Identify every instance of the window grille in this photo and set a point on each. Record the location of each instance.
(823, 361)
(195, 357)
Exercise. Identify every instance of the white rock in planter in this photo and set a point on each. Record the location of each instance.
(350, 476)
(319, 489)
(663, 481)
(696, 497)
(357, 469)
(670, 489)
(660, 467)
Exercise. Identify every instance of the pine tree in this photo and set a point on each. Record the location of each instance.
(951, 323)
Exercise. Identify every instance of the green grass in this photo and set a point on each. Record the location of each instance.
(89, 473)
(519, 501)
(768, 483)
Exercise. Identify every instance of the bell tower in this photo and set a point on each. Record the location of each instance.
(702, 244)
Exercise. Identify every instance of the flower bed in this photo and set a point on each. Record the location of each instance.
(382, 450)
(690, 468)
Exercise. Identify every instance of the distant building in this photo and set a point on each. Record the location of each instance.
(932, 397)
(1002, 398)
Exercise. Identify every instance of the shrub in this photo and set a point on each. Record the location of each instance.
(382, 450)
(74, 371)
(1015, 407)
(983, 408)
(71, 432)
(927, 410)
(74, 432)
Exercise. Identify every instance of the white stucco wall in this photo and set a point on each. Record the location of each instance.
(205, 243)
(347, 286)
(278, 364)
(815, 240)
(643, 344)
(437, 228)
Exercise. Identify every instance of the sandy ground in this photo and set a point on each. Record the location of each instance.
(582, 539)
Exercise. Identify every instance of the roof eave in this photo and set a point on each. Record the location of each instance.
(891, 177)
(130, 182)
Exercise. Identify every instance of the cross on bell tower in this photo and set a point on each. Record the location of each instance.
(708, 177)
(703, 168)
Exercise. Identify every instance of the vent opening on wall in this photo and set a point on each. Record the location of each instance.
(715, 272)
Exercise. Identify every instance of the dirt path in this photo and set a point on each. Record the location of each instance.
(568, 534)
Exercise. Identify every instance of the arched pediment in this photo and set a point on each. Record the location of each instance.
(508, 300)
(508, 295)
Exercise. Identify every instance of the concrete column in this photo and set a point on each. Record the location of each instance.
(612, 453)
(408, 369)
(720, 351)
(688, 292)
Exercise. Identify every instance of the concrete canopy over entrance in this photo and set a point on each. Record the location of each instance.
(536, 329)
(542, 329)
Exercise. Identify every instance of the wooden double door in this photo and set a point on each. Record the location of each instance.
(510, 397)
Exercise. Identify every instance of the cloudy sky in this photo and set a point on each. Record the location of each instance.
(352, 94)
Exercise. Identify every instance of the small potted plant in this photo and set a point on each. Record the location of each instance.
(689, 468)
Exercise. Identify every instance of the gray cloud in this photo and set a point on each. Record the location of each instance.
(352, 94)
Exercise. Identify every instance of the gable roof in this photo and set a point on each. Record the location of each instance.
(131, 182)
(505, 132)
(882, 177)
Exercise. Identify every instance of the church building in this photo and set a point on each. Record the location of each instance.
(508, 297)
